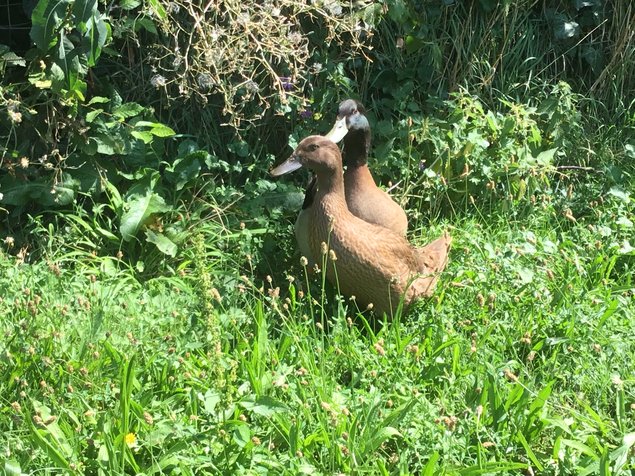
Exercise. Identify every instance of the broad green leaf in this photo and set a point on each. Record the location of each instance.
(620, 194)
(379, 437)
(145, 136)
(581, 447)
(129, 4)
(83, 10)
(430, 468)
(185, 169)
(158, 9)
(526, 275)
(9, 58)
(129, 109)
(98, 100)
(46, 19)
(210, 400)
(138, 211)
(65, 190)
(242, 434)
(106, 144)
(50, 438)
(156, 128)
(98, 32)
(147, 24)
(165, 245)
(566, 30)
(90, 117)
(264, 406)
(545, 157)
(12, 468)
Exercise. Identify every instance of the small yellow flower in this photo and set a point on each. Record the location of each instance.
(131, 440)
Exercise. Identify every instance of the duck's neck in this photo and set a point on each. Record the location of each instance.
(331, 184)
(356, 148)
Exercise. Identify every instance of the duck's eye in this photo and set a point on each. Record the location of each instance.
(313, 147)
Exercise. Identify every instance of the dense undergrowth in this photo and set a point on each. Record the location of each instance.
(155, 318)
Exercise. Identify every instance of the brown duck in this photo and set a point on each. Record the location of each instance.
(372, 263)
(363, 198)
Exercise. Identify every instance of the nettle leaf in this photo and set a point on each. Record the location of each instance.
(162, 242)
(46, 19)
(138, 211)
(65, 191)
(186, 169)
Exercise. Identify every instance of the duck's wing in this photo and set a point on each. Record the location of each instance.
(309, 195)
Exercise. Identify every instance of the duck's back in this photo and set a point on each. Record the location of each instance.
(372, 263)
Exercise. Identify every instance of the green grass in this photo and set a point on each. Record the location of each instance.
(524, 359)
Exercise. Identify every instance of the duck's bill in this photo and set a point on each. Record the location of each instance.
(338, 131)
(289, 165)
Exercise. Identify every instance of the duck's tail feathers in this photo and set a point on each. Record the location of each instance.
(433, 258)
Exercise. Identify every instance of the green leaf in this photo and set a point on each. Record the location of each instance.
(185, 169)
(98, 100)
(146, 137)
(158, 9)
(156, 128)
(51, 439)
(83, 10)
(9, 58)
(98, 32)
(210, 400)
(12, 468)
(129, 4)
(90, 117)
(147, 24)
(138, 211)
(264, 406)
(165, 245)
(129, 109)
(46, 18)
(65, 190)
(242, 435)
(625, 197)
(566, 29)
(379, 437)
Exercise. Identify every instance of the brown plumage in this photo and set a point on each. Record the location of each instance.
(364, 199)
(372, 263)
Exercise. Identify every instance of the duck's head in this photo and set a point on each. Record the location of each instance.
(317, 153)
(350, 117)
